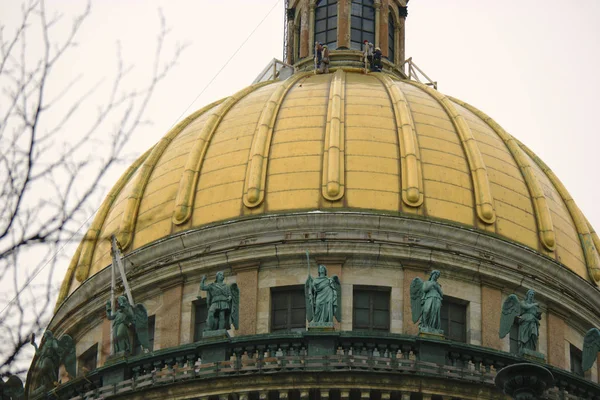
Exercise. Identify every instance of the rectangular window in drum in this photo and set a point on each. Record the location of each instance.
(200, 314)
(454, 319)
(371, 308)
(88, 361)
(288, 309)
(576, 358)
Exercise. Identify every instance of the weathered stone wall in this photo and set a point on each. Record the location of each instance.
(349, 250)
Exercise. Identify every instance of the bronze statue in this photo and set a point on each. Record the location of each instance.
(51, 354)
(426, 303)
(223, 303)
(591, 346)
(123, 318)
(323, 298)
(528, 316)
(12, 389)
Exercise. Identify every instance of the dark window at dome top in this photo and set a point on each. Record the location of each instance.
(326, 23)
(362, 23)
(454, 319)
(576, 358)
(371, 308)
(288, 309)
(391, 38)
(200, 314)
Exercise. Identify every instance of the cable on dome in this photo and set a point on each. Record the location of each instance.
(28, 282)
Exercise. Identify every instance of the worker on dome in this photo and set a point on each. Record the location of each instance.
(324, 68)
(318, 56)
(368, 55)
(377, 64)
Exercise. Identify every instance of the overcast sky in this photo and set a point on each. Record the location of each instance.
(532, 65)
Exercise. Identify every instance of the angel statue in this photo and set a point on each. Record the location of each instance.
(51, 354)
(528, 316)
(426, 303)
(12, 389)
(591, 347)
(223, 303)
(126, 316)
(323, 298)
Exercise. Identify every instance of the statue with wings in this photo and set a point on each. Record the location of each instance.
(528, 315)
(12, 389)
(426, 303)
(223, 303)
(591, 347)
(323, 297)
(51, 354)
(126, 316)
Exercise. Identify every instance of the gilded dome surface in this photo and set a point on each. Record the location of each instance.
(340, 141)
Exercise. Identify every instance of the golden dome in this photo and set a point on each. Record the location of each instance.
(340, 141)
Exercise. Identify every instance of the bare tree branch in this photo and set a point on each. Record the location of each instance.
(51, 180)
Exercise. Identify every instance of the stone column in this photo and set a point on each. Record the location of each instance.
(400, 37)
(304, 42)
(291, 33)
(343, 23)
(296, 46)
(491, 306)
(168, 318)
(247, 281)
(556, 339)
(383, 28)
(377, 5)
(409, 274)
(311, 27)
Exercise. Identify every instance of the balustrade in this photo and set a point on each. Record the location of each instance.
(295, 353)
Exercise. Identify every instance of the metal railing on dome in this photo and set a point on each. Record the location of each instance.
(275, 70)
(273, 354)
(413, 72)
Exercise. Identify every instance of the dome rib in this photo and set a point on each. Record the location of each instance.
(363, 132)
(333, 151)
(595, 237)
(410, 155)
(540, 205)
(86, 254)
(481, 182)
(187, 185)
(590, 251)
(256, 173)
(129, 219)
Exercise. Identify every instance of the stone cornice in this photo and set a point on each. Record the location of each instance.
(380, 239)
(251, 266)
